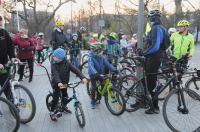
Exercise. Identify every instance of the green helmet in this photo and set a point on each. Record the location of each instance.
(183, 23)
(113, 35)
(96, 47)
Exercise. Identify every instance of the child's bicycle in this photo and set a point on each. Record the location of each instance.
(114, 99)
(59, 108)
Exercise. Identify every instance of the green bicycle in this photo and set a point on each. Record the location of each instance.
(114, 100)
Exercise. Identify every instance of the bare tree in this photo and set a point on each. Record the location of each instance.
(178, 6)
(30, 14)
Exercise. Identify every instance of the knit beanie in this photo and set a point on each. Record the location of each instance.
(59, 53)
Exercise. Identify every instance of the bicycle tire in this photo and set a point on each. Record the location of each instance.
(89, 86)
(14, 113)
(168, 121)
(108, 97)
(164, 93)
(190, 82)
(85, 58)
(130, 97)
(31, 106)
(81, 121)
(48, 101)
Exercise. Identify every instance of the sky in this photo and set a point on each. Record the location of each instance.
(109, 6)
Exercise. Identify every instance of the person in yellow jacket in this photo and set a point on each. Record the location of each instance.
(182, 42)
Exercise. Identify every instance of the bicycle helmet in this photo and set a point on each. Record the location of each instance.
(95, 35)
(74, 34)
(171, 30)
(40, 34)
(154, 13)
(183, 23)
(96, 47)
(82, 29)
(60, 23)
(113, 35)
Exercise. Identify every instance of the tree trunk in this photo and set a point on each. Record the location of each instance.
(178, 6)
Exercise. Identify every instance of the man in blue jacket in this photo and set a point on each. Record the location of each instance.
(96, 67)
(155, 48)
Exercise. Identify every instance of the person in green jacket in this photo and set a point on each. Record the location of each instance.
(182, 42)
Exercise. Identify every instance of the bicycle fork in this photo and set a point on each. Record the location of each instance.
(13, 83)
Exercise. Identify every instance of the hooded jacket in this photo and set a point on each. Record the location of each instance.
(97, 65)
(6, 47)
(60, 72)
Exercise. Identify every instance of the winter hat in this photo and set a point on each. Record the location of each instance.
(59, 53)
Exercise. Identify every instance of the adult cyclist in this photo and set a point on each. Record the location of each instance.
(182, 42)
(155, 49)
(58, 38)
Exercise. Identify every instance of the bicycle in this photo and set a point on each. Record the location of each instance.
(22, 98)
(111, 95)
(179, 102)
(59, 108)
(9, 121)
(45, 53)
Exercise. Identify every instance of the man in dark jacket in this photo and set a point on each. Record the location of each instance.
(6, 50)
(58, 38)
(155, 49)
(60, 71)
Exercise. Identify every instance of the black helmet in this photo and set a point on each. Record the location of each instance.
(154, 13)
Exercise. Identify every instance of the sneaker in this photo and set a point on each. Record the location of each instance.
(93, 104)
(30, 80)
(98, 101)
(53, 116)
(20, 80)
(66, 110)
(156, 110)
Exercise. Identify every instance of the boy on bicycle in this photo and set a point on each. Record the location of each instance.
(60, 72)
(96, 67)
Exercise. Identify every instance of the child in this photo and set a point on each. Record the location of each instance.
(96, 66)
(60, 71)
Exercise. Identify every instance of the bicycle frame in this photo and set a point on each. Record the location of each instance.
(106, 87)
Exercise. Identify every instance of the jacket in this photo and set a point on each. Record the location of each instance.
(155, 40)
(182, 44)
(97, 65)
(25, 47)
(58, 38)
(60, 72)
(6, 47)
(75, 47)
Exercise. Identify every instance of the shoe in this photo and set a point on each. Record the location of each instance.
(30, 80)
(53, 116)
(93, 104)
(66, 110)
(156, 110)
(98, 101)
(137, 104)
(20, 80)
(150, 111)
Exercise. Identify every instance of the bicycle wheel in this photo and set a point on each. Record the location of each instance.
(126, 71)
(179, 118)
(115, 101)
(162, 79)
(79, 114)
(25, 103)
(84, 69)
(84, 59)
(9, 117)
(129, 87)
(89, 88)
(193, 84)
(49, 99)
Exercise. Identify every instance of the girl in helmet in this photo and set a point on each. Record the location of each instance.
(75, 50)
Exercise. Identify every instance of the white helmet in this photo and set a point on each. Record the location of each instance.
(171, 30)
